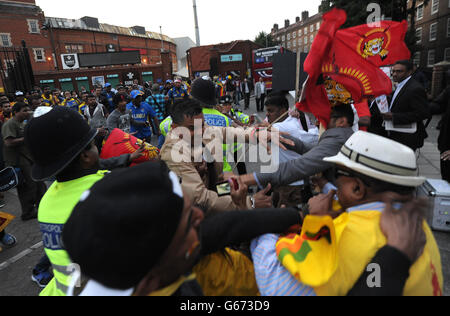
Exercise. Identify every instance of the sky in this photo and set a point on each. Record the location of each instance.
(219, 21)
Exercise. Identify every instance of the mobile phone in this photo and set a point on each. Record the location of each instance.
(223, 188)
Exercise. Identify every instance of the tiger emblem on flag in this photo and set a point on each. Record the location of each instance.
(374, 47)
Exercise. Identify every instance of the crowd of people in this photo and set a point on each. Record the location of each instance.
(194, 222)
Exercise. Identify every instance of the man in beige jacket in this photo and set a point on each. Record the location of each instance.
(194, 153)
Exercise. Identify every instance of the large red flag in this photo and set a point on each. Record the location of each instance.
(316, 100)
(382, 44)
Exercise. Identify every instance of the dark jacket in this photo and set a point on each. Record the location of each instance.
(411, 106)
(441, 105)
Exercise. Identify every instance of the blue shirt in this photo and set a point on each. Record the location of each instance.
(161, 99)
(141, 114)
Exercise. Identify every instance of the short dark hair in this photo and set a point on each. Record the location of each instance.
(119, 97)
(90, 95)
(278, 99)
(19, 106)
(183, 108)
(35, 98)
(407, 63)
(343, 110)
(4, 102)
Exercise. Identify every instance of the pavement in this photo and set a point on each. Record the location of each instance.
(16, 264)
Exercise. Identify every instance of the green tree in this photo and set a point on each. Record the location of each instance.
(266, 40)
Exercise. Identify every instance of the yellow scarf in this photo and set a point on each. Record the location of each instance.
(330, 255)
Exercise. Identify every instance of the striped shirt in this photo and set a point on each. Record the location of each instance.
(272, 277)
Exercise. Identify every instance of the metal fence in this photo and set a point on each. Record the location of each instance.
(16, 72)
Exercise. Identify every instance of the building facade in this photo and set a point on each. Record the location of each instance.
(235, 58)
(432, 32)
(298, 37)
(49, 38)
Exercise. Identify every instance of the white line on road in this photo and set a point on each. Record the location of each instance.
(16, 258)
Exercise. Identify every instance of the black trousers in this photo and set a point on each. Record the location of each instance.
(30, 192)
(247, 100)
(260, 103)
(445, 170)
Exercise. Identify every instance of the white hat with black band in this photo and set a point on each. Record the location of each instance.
(379, 158)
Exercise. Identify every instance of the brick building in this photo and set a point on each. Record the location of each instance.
(432, 32)
(234, 58)
(298, 37)
(48, 38)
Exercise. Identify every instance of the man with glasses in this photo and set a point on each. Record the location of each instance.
(408, 108)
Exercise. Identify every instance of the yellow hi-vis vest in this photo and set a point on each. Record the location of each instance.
(54, 210)
(330, 255)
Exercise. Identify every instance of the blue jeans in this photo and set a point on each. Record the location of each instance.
(161, 141)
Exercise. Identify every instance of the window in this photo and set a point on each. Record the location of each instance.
(416, 58)
(318, 26)
(448, 27)
(306, 30)
(420, 12)
(311, 39)
(289, 45)
(433, 31)
(294, 35)
(431, 58)
(33, 26)
(5, 40)
(39, 54)
(300, 42)
(447, 54)
(289, 36)
(300, 32)
(311, 28)
(434, 6)
(306, 40)
(419, 35)
(294, 43)
(283, 38)
(74, 48)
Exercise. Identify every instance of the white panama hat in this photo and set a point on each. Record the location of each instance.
(380, 158)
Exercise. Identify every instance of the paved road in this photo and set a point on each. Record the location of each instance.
(16, 264)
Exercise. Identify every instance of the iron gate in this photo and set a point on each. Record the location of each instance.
(15, 69)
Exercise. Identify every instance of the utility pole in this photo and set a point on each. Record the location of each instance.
(197, 30)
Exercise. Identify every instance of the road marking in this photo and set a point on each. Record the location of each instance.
(21, 255)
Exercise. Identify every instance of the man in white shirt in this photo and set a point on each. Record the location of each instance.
(276, 106)
(260, 91)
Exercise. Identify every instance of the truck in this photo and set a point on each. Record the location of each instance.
(263, 64)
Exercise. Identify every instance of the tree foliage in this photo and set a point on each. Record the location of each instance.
(266, 40)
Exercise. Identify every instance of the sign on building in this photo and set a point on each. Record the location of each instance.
(231, 58)
(70, 61)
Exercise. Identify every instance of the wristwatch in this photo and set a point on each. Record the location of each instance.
(253, 202)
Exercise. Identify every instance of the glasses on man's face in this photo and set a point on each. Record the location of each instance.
(398, 71)
(345, 173)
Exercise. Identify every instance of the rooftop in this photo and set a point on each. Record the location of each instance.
(82, 24)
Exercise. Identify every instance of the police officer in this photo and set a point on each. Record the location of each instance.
(62, 144)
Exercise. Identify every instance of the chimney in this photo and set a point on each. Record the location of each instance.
(139, 30)
(287, 23)
(297, 19)
(90, 22)
(305, 15)
(275, 27)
